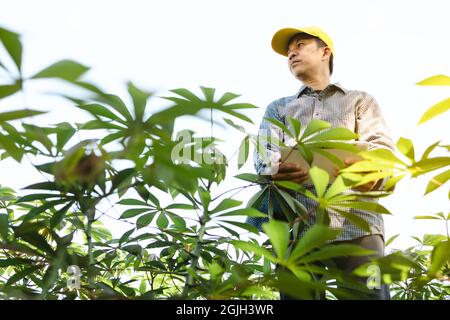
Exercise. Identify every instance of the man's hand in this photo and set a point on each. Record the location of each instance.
(292, 172)
(364, 187)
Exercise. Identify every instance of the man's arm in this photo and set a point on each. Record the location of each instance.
(267, 130)
(371, 127)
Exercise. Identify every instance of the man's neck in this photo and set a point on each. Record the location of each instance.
(316, 83)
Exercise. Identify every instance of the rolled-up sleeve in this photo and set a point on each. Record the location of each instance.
(268, 135)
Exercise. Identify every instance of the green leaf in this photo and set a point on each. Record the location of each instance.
(132, 202)
(33, 213)
(334, 251)
(243, 152)
(256, 249)
(382, 155)
(334, 134)
(205, 197)
(438, 181)
(12, 44)
(64, 131)
(22, 274)
(121, 177)
(58, 216)
(9, 89)
(9, 146)
(186, 94)
(227, 96)
(406, 147)
(296, 126)
(438, 80)
(231, 123)
(99, 110)
(391, 239)
(314, 237)
(145, 220)
(248, 177)
(356, 220)
(100, 232)
(18, 114)
(4, 225)
(139, 100)
(98, 124)
(65, 69)
(208, 93)
(250, 212)
(439, 257)
(320, 180)
(278, 233)
(280, 125)
(133, 212)
(162, 222)
(257, 198)
(226, 204)
(245, 226)
(314, 126)
(435, 110)
(338, 186)
(368, 206)
(426, 218)
(126, 236)
(118, 105)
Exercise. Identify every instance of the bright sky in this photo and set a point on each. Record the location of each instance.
(382, 47)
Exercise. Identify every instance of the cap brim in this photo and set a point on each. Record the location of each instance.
(281, 39)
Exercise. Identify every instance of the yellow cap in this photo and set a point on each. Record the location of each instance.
(280, 39)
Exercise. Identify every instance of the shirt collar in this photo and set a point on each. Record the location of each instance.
(306, 88)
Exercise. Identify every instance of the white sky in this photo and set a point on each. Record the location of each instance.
(382, 47)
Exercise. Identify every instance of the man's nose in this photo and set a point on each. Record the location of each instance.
(291, 55)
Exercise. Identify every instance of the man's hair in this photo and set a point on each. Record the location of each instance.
(320, 44)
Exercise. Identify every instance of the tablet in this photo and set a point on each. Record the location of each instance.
(321, 161)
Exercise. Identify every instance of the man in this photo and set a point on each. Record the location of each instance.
(310, 54)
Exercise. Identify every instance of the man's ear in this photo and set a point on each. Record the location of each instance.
(326, 53)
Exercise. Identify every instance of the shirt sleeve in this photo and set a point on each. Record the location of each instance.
(371, 127)
(268, 135)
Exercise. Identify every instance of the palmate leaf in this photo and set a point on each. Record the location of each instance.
(333, 134)
(278, 233)
(406, 147)
(100, 111)
(139, 98)
(320, 180)
(437, 181)
(424, 166)
(243, 152)
(314, 126)
(18, 114)
(361, 205)
(256, 249)
(281, 125)
(315, 237)
(10, 147)
(65, 69)
(11, 42)
(9, 89)
(439, 257)
(334, 251)
(4, 226)
(437, 80)
(435, 110)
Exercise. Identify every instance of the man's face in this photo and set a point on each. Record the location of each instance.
(305, 58)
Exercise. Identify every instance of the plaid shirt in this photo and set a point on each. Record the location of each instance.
(351, 109)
